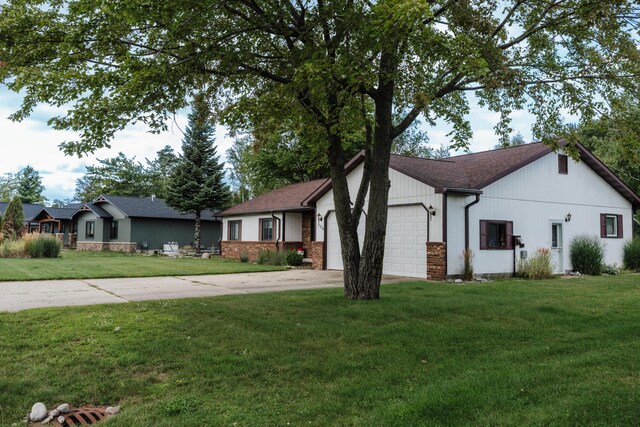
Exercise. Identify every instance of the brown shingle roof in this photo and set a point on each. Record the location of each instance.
(469, 171)
(281, 199)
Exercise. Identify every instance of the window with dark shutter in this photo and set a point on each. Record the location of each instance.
(611, 226)
(266, 229)
(235, 230)
(563, 164)
(496, 234)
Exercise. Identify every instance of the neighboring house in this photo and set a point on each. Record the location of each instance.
(127, 224)
(274, 221)
(491, 202)
(58, 221)
(29, 210)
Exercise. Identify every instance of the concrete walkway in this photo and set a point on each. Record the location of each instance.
(16, 296)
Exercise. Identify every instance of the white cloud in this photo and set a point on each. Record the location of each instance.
(31, 142)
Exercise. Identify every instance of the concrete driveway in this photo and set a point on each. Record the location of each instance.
(16, 296)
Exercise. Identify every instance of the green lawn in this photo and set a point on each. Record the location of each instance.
(559, 352)
(91, 265)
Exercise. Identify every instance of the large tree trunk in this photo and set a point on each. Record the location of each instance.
(349, 242)
(369, 270)
(196, 237)
(376, 221)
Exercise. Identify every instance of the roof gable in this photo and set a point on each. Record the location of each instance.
(473, 172)
(29, 210)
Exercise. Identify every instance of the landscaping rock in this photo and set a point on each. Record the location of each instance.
(64, 408)
(458, 281)
(54, 413)
(206, 255)
(38, 412)
(112, 410)
(61, 420)
(47, 420)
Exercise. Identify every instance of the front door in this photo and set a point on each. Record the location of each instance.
(556, 247)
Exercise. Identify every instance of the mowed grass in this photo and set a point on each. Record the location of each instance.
(90, 265)
(559, 352)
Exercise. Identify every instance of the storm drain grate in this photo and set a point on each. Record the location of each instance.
(81, 417)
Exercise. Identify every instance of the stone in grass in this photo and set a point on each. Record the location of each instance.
(38, 412)
(54, 413)
(47, 420)
(64, 408)
(61, 420)
(206, 255)
(112, 410)
(458, 281)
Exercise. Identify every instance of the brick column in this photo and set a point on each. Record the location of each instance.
(317, 255)
(436, 260)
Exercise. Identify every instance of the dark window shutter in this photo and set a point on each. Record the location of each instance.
(603, 225)
(260, 229)
(240, 230)
(619, 226)
(483, 234)
(509, 235)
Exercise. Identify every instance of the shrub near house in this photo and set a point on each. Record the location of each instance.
(31, 246)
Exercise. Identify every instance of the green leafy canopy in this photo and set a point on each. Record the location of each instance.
(119, 63)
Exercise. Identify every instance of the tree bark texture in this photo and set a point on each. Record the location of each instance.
(196, 237)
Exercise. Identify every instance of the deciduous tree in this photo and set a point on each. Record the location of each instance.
(353, 67)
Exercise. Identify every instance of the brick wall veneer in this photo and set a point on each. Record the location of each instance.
(436, 260)
(308, 219)
(129, 247)
(233, 249)
(317, 255)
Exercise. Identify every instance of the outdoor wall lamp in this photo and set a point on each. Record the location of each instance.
(320, 222)
(431, 210)
(567, 218)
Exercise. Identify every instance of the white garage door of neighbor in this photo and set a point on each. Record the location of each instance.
(405, 249)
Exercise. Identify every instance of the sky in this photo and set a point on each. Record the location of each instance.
(32, 142)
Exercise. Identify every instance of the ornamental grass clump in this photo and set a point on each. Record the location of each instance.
(43, 246)
(631, 255)
(13, 249)
(586, 254)
(539, 266)
(467, 265)
(270, 258)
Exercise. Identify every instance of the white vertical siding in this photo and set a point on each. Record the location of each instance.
(534, 197)
(404, 190)
(455, 231)
(293, 227)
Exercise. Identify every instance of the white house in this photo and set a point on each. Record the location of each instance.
(502, 204)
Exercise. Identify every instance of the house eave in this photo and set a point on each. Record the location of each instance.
(263, 211)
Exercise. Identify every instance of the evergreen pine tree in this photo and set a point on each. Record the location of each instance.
(13, 223)
(196, 182)
(30, 186)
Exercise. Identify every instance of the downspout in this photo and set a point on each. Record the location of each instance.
(466, 221)
(279, 231)
(284, 226)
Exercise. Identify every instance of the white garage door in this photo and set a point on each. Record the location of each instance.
(405, 249)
